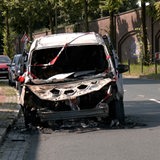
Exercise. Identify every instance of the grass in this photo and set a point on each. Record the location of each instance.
(7, 90)
(151, 71)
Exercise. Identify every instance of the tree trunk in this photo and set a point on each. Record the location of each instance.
(55, 19)
(30, 29)
(86, 16)
(51, 19)
(112, 28)
(144, 32)
(8, 43)
(51, 22)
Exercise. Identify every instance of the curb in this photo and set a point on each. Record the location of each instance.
(9, 111)
(4, 130)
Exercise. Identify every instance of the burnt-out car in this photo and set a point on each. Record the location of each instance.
(72, 76)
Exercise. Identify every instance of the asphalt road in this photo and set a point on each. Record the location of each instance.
(140, 142)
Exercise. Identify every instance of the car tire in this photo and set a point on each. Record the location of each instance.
(30, 117)
(10, 82)
(16, 85)
(119, 111)
(116, 111)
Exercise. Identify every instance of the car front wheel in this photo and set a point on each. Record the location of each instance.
(30, 117)
(116, 111)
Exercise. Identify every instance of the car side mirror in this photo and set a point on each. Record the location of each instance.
(123, 68)
(12, 65)
(8, 64)
(25, 55)
(26, 58)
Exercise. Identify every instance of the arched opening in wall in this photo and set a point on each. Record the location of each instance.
(157, 42)
(129, 48)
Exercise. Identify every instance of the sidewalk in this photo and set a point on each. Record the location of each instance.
(9, 108)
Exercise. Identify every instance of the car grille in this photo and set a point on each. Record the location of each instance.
(3, 69)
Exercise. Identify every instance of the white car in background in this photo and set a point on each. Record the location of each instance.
(72, 76)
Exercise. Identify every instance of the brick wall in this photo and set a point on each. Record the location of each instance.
(127, 44)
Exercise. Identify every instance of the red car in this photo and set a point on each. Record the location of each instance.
(4, 60)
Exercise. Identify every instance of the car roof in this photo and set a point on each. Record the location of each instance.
(16, 58)
(5, 57)
(61, 39)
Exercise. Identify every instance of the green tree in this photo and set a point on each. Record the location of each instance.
(112, 6)
(19, 17)
(48, 9)
(75, 11)
(128, 5)
(89, 6)
(146, 54)
(157, 8)
(153, 12)
(1, 32)
(144, 31)
(5, 10)
(25, 16)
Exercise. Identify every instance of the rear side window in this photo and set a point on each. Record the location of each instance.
(16, 59)
(4, 59)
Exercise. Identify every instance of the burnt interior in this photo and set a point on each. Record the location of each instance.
(72, 59)
(87, 101)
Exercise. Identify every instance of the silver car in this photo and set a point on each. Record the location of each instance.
(13, 69)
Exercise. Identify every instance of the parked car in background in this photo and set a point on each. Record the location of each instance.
(4, 60)
(72, 76)
(20, 70)
(13, 69)
(16, 68)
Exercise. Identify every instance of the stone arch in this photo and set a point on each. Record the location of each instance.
(129, 35)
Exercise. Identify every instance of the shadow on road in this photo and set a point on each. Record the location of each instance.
(140, 81)
(145, 113)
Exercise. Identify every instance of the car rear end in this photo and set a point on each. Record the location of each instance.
(4, 60)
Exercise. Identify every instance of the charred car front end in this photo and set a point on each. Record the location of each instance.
(71, 76)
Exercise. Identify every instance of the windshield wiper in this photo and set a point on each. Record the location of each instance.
(83, 73)
(55, 78)
(60, 76)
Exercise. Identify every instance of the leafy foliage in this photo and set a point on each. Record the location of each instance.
(128, 5)
(111, 5)
(26, 16)
(1, 32)
(157, 10)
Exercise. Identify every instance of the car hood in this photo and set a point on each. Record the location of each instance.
(68, 90)
(3, 65)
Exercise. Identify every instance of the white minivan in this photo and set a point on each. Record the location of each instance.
(72, 76)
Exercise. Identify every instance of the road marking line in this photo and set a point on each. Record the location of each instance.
(154, 100)
(140, 95)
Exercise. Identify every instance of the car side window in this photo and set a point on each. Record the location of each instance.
(13, 61)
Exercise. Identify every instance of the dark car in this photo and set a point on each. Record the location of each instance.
(72, 76)
(4, 60)
(13, 69)
(16, 68)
